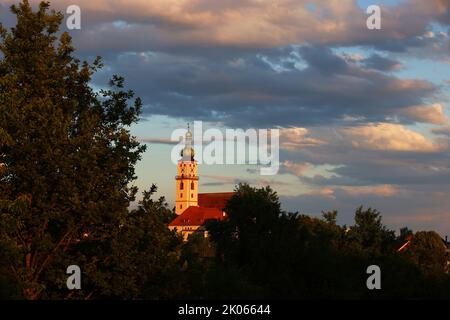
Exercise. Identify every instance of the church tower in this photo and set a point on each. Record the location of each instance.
(187, 178)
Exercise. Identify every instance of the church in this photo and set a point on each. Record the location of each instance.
(194, 209)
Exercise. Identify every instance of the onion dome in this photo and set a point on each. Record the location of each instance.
(188, 152)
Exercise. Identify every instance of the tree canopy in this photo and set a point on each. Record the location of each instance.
(68, 156)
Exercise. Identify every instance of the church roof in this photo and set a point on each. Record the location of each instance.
(197, 216)
(214, 200)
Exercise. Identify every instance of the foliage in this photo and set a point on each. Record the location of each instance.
(68, 157)
(298, 256)
(428, 251)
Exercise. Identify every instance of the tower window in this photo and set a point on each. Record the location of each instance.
(181, 195)
(192, 195)
(181, 185)
(192, 186)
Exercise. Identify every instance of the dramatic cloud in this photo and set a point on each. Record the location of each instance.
(442, 131)
(375, 154)
(389, 137)
(168, 24)
(259, 63)
(296, 138)
(158, 141)
(433, 114)
(297, 169)
(293, 86)
(217, 180)
(419, 210)
(383, 190)
(381, 63)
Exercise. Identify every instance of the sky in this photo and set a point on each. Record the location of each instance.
(363, 114)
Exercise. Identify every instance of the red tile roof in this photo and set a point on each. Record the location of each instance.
(214, 200)
(197, 216)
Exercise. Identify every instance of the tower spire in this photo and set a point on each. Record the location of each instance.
(187, 178)
(188, 152)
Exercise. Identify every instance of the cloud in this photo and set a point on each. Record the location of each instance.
(256, 63)
(317, 86)
(297, 169)
(378, 62)
(217, 180)
(322, 192)
(158, 141)
(433, 114)
(442, 131)
(385, 190)
(372, 155)
(332, 192)
(295, 138)
(248, 23)
(389, 137)
(419, 210)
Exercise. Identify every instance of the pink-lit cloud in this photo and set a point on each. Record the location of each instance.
(434, 114)
(248, 23)
(390, 137)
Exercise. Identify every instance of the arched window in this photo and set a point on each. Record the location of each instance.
(192, 186)
(181, 185)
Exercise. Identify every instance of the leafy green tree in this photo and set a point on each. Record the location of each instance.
(330, 217)
(8, 286)
(291, 256)
(287, 255)
(428, 251)
(146, 253)
(252, 216)
(369, 236)
(68, 158)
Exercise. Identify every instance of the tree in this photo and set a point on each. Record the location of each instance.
(252, 216)
(68, 157)
(428, 251)
(369, 236)
(146, 255)
(330, 217)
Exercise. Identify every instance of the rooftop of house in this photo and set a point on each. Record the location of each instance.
(197, 216)
(214, 200)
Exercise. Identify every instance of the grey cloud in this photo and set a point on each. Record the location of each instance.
(158, 141)
(442, 131)
(419, 210)
(350, 165)
(253, 94)
(381, 63)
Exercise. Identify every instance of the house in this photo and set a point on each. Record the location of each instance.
(194, 209)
